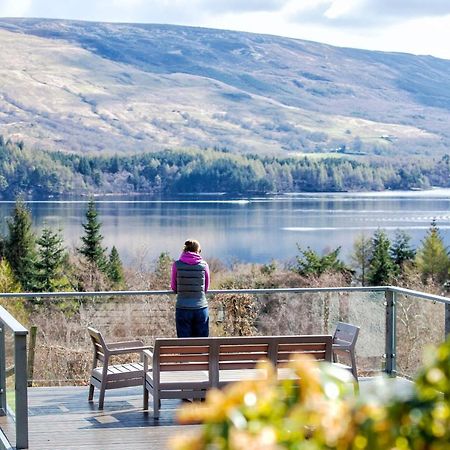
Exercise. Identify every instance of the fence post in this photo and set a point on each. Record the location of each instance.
(20, 360)
(2, 371)
(391, 344)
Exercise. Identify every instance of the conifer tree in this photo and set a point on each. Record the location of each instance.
(401, 250)
(115, 268)
(433, 258)
(382, 268)
(8, 282)
(310, 262)
(49, 264)
(92, 248)
(360, 258)
(20, 246)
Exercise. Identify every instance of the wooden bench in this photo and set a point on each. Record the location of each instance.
(186, 368)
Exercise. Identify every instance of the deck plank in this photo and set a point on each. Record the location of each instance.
(62, 418)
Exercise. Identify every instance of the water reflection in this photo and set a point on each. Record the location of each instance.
(251, 229)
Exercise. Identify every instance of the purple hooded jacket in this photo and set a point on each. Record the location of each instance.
(192, 259)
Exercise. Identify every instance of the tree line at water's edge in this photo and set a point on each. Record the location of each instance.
(39, 173)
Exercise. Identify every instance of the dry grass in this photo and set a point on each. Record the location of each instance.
(63, 354)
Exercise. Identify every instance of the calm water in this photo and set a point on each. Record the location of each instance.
(250, 229)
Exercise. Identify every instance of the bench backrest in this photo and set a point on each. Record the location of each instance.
(318, 347)
(182, 354)
(231, 353)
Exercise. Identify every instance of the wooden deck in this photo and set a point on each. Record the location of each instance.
(61, 418)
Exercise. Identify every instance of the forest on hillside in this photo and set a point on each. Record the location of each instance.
(37, 173)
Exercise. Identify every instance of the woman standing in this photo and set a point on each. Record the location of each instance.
(190, 280)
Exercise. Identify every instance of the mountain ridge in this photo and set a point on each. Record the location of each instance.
(196, 87)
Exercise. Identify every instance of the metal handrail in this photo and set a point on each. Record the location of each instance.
(419, 294)
(424, 295)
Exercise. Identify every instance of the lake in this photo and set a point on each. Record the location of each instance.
(248, 229)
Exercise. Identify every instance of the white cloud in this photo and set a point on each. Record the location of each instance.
(14, 8)
(341, 8)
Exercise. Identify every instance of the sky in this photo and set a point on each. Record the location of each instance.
(412, 26)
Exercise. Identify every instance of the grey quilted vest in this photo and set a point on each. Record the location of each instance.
(191, 285)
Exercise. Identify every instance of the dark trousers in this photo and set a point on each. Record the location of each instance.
(192, 322)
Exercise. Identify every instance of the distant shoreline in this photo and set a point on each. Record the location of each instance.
(223, 197)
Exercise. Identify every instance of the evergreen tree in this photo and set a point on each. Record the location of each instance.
(311, 263)
(20, 246)
(50, 261)
(401, 250)
(360, 258)
(92, 248)
(432, 258)
(115, 268)
(163, 265)
(8, 282)
(382, 268)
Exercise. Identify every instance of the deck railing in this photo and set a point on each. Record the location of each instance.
(389, 296)
(18, 370)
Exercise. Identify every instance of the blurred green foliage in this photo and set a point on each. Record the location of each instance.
(318, 410)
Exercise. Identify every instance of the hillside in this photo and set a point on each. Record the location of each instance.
(85, 87)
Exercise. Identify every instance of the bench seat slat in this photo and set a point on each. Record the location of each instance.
(120, 371)
(231, 376)
(183, 367)
(238, 365)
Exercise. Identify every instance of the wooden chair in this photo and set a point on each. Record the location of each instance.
(344, 342)
(113, 376)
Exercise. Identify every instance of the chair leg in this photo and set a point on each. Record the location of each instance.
(145, 406)
(156, 404)
(101, 397)
(91, 393)
(354, 369)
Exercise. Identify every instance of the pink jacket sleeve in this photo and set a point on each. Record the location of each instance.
(206, 277)
(173, 280)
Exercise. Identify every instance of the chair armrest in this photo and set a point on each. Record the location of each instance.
(342, 344)
(125, 350)
(148, 357)
(117, 345)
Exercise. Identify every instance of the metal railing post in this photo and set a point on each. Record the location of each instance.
(391, 344)
(20, 354)
(2, 370)
(447, 320)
